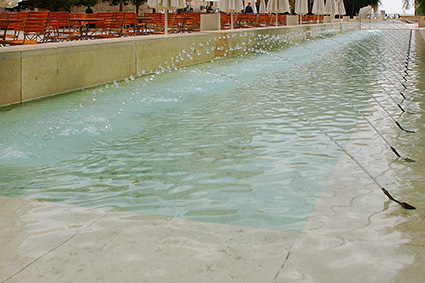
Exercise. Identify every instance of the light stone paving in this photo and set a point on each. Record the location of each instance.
(48, 242)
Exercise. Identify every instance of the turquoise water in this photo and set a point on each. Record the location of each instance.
(218, 142)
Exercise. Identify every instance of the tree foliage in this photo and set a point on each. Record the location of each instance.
(352, 7)
(121, 3)
(65, 5)
(55, 5)
(419, 5)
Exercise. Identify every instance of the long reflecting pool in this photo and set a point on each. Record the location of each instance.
(237, 141)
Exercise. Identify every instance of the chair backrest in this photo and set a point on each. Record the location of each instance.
(154, 18)
(58, 20)
(107, 20)
(225, 18)
(130, 19)
(195, 19)
(21, 26)
(4, 16)
(171, 19)
(117, 20)
(281, 18)
(37, 21)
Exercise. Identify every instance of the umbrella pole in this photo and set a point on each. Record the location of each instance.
(276, 19)
(166, 23)
(231, 20)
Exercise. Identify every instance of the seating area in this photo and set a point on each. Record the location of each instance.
(35, 27)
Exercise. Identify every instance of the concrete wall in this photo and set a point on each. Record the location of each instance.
(31, 72)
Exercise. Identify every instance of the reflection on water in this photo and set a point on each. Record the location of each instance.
(214, 142)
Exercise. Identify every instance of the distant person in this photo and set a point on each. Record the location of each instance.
(210, 9)
(89, 10)
(248, 9)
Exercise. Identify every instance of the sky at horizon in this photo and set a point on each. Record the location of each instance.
(395, 7)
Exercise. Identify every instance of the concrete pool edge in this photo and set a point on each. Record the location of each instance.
(56, 242)
(37, 71)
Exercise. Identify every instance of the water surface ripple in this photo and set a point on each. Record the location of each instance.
(216, 142)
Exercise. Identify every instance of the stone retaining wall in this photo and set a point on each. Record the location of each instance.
(31, 72)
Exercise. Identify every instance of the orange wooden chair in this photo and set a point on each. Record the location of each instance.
(248, 21)
(152, 23)
(225, 21)
(101, 28)
(60, 27)
(5, 26)
(130, 27)
(263, 20)
(117, 24)
(281, 19)
(17, 27)
(194, 21)
(111, 26)
(32, 29)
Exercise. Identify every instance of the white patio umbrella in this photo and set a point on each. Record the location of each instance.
(9, 3)
(341, 7)
(331, 8)
(262, 8)
(231, 6)
(278, 6)
(166, 5)
(318, 7)
(254, 6)
(301, 8)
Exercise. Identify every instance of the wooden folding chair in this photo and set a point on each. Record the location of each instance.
(263, 20)
(245, 20)
(281, 19)
(130, 27)
(225, 20)
(193, 22)
(5, 26)
(32, 28)
(60, 27)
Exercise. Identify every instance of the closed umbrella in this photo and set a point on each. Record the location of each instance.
(153, 4)
(341, 8)
(231, 6)
(278, 6)
(318, 7)
(254, 7)
(331, 8)
(262, 8)
(167, 5)
(301, 8)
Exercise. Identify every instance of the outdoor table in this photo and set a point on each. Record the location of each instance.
(84, 25)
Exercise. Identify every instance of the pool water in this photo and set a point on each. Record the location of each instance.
(221, 142)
